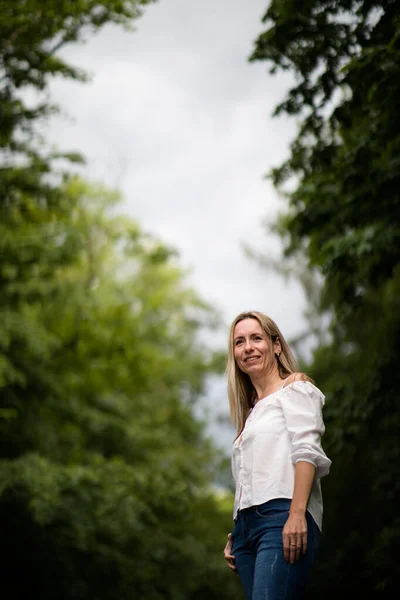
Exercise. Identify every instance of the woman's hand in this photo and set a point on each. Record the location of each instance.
(294, 537)
(228, 554)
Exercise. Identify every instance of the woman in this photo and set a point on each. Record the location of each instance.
(277, 462)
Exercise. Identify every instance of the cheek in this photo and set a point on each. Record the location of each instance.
(236, 357)
(266, 354)
(270, 357)
(238, 361)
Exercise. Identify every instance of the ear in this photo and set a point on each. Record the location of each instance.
(277, 347)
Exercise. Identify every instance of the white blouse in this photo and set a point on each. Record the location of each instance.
(281, 429)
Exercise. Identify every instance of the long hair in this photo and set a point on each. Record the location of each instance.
(241, 392)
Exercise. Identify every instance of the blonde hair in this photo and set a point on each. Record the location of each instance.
(241, 392)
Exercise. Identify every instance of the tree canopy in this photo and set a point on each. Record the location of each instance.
(106, 476)
(341, 181)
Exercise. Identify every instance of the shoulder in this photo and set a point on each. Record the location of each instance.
(294, 377)
(300, 386)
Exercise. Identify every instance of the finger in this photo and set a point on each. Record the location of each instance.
(286, 553)
(285, 550)
(304, 543)
(292, 550)
(285, 542)
(298, 552)
(231, 563)
(292, 555)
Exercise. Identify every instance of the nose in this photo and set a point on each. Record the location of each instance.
(248, 345)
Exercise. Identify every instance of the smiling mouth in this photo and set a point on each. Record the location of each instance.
(251, 359)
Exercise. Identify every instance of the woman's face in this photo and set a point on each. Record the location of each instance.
(252, 348)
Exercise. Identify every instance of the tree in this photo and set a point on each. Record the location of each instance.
(343, 217)
(31, 192)
(106, 476)
(32, 32)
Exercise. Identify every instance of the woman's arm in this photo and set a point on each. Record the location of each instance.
(303, 481)
(230, 559)
(302, 404)
(295, 530)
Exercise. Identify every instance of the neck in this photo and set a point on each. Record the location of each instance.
(267, 384)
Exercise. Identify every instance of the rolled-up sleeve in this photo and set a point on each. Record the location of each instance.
(302, 404)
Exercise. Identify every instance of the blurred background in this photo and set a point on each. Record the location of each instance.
(163, 166)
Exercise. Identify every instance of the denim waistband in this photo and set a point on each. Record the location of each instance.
(276, 503)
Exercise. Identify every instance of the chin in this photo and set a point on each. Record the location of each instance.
(254, 368)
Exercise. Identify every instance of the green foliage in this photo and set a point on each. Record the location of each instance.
(111, 531)
(104, 459)
(32, 32)
(105, 474)
(345, 56)
(343, 221)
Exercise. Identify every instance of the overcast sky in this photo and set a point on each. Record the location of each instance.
(178, 119)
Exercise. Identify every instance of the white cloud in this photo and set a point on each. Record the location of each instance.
(179, 120)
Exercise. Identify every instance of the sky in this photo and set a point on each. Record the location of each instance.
(178, 119)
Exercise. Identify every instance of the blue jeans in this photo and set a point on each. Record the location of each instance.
(258, 551)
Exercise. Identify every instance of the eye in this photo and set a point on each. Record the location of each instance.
(237, 342)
